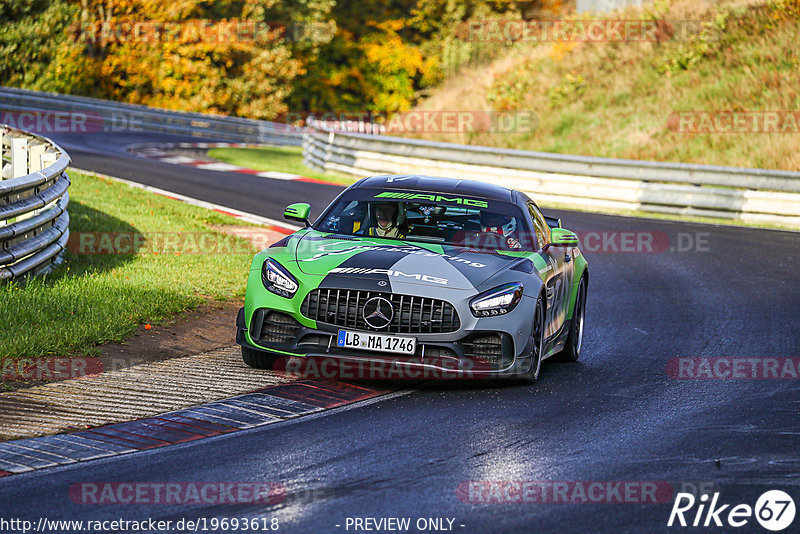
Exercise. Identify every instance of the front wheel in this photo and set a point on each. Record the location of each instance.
(258, 359)
(572, 350)
(538, 342)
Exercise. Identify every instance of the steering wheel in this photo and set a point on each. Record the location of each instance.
(487, 241)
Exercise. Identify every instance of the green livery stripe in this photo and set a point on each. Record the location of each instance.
(578, 269)
(266, 349)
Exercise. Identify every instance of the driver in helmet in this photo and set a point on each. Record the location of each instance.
(388, 216)
(505, 226)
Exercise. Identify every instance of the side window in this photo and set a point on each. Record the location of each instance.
(540, 226)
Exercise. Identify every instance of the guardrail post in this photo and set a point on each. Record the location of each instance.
(5, 158)
(48, 158)
(35, 163)
(35, 153)
(19, 156)
(329, 149)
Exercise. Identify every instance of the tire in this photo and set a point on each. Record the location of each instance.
(538, 343)
(258, 359)
(572, 350)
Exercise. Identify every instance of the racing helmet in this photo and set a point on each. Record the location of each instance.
(399, 212)
(497, 223)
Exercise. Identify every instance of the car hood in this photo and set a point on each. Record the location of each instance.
(363, 261)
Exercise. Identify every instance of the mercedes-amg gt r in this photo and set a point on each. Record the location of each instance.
(427, 273)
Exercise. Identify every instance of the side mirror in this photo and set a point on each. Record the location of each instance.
(552, 222)
(298, 212)
(561, 237)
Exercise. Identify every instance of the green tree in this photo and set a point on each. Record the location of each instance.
(36, 48)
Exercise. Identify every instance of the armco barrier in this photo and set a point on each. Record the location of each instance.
(117, 116)
(750, 195)
(34, 223)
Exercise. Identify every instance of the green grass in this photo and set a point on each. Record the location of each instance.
(283, 159)
(94, 299)
(615, 99)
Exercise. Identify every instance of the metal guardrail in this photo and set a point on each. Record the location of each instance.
(750, 195)
(107, 116)
(34, 223)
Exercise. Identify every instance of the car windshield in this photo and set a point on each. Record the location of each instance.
(428, 217)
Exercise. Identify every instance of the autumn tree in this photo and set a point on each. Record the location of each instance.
(189, 55)
(254, 58)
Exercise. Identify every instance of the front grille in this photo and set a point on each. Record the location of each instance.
(412, 315)
(273, 327)
(484, 347)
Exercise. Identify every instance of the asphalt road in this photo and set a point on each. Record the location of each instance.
(107, 154)
(616, 415)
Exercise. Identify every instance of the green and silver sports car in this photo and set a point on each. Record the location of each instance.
(426, 273)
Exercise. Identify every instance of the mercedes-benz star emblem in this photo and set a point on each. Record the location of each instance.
(378, 312)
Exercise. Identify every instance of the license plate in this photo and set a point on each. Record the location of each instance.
(376, 342)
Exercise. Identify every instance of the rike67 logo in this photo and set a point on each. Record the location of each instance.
(774, 510)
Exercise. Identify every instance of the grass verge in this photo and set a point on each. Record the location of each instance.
(283, 159)
(99, 298)
(623, 99)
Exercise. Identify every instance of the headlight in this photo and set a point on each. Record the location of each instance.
(278, 280)
(497, 301)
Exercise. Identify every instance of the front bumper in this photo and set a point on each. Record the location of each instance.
(478, 353)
